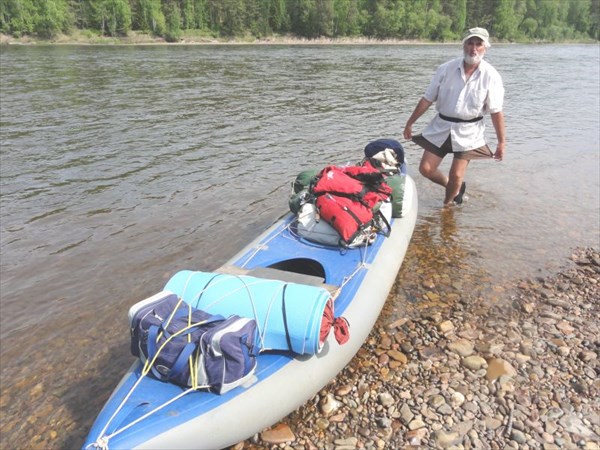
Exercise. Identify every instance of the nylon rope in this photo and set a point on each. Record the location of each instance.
(102, 441)
(262, 246)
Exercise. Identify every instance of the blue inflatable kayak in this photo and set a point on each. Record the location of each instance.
(144, 412)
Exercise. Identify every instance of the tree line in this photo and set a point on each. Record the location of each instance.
(432, 20)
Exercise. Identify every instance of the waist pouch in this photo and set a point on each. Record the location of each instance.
(191, 347)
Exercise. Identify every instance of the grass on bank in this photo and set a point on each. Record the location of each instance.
(92, 37)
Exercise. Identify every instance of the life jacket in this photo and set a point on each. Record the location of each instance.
(348, 217)
(334, 180)
(346, 198)
(364, 184)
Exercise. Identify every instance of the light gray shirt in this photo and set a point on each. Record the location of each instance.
(461, 98)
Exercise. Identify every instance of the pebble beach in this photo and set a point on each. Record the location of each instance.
(498, 368)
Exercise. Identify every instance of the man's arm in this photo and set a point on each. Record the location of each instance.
(420, 109)
(498, 121)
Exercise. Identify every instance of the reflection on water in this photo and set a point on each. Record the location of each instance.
(122, 165)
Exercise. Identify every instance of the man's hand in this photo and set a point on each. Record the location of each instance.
(421, 107)
(498, 121)
(499, 151)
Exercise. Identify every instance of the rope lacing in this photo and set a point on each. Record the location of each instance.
(102, 443)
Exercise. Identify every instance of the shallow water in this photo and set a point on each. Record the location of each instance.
(122, 165)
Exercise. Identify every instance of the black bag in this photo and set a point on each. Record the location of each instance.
(190, 347)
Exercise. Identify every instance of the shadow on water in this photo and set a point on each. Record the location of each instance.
(52, 403)
(95, 388)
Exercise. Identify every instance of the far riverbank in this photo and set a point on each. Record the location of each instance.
(86, 37)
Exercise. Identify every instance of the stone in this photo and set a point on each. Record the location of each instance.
(414, 437)
(406, 415)
(461, 347)
(445, 409)
(443, 439)
(329, 404)
(279, 434)
(349, 442)
(385, 399)
(416, 424)
(587, 356)
(322, 423)
(498, 367)
(457, 399)
(398, 356)
(343, 390)
(573, 424)
(435, 401)
(491, 423)
(474, 362)
(492, 348)
(518, 436)
(445, 327)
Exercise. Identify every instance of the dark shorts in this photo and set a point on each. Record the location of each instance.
(446, 148)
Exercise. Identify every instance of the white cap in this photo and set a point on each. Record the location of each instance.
(481, 33)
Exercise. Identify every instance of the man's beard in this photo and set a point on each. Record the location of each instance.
(475, 59)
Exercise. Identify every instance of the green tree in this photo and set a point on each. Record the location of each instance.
(258, 17)
(172, 21)
(17, 17)
(301, 15)
(347, 19)
(53, 17)
(480, 13)
(149, 17)
(506, 20)
(234, 18)
(594, 30)
(111, 17)
(579, 15)
(279, 19)
(456, 10)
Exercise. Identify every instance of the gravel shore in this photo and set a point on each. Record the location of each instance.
(517, 370)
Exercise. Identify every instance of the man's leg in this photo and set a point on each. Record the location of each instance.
(456, 176)
(429, 168)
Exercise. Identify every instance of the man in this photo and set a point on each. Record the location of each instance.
(463, 89)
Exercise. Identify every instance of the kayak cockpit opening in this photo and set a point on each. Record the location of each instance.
(303, 266)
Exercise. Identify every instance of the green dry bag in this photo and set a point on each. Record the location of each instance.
(303, 179)
(397, 182)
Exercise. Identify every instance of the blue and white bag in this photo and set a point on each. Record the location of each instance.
(190, 347)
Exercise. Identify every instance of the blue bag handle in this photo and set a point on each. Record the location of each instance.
(186, 352)
(182, 359)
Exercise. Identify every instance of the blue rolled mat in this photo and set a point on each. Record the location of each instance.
(288, 315)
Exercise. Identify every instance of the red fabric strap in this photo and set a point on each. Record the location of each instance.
(341, 328)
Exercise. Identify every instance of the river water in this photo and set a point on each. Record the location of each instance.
(121, 165)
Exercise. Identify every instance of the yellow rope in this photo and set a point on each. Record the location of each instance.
(193, 367)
